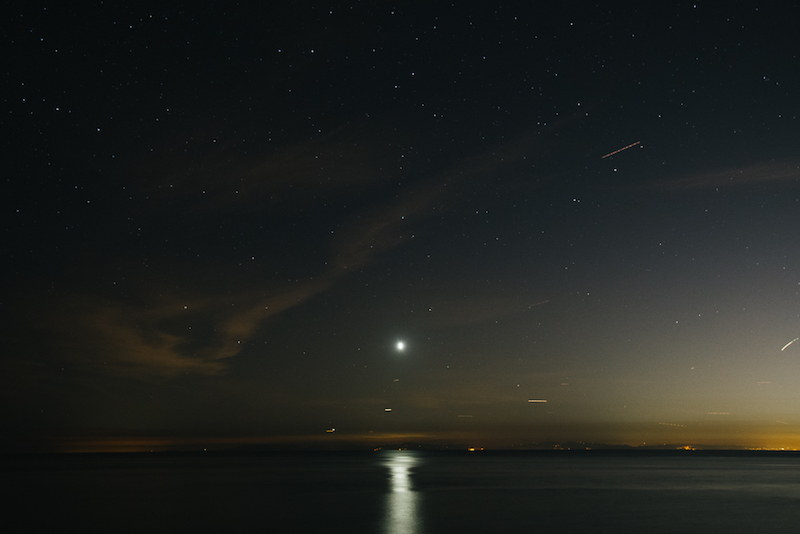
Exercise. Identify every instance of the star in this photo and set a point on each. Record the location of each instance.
(400, 346)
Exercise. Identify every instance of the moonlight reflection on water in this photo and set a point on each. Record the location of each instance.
(402, 501)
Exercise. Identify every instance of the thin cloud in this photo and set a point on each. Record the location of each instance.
(755, 174)
(128, 341)
(208, 174)
(155, 337)
(460, 310)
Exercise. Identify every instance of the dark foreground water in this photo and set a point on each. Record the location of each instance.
(404, 492)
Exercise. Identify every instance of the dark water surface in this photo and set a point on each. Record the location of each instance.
(405, 492)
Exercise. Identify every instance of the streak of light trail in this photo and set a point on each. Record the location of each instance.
(621, 149)
(789, 343)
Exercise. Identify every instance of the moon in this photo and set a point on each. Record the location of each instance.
(400, 346)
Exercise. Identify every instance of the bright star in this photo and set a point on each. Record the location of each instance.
(400, 346)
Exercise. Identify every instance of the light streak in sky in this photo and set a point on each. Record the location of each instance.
(538, 303)
(621, 149)
(789, 343)
(536, 400)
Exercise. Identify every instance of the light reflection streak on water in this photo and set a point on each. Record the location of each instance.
(401, 502)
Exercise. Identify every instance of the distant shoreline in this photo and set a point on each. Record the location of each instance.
(595, 452)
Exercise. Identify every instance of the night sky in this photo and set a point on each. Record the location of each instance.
(219, 221)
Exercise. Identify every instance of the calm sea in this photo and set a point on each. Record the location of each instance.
(405, 492)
